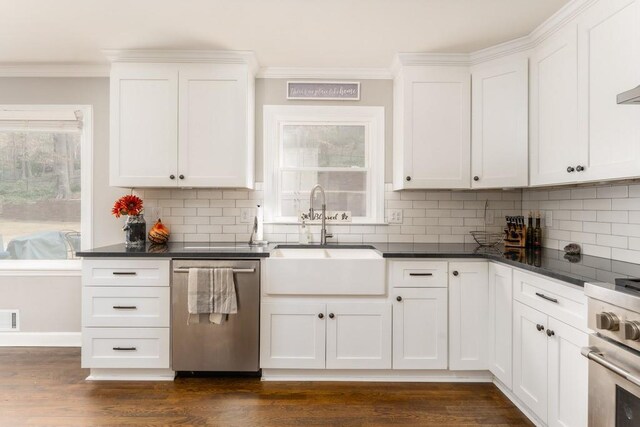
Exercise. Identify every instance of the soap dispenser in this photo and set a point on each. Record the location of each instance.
(304, 234)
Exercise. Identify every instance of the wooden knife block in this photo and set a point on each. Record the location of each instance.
(516, 238)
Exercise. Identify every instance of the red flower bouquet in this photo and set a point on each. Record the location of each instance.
(127, 205)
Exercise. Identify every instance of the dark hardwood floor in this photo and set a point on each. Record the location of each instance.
(46, 387)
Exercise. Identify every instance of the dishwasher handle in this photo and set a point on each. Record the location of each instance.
(235, 270)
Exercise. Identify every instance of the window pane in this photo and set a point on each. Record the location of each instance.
(323, 145)
(39, 194)
(330, 181)
(292, 204)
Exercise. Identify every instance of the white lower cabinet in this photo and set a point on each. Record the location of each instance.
(420, 328)
(126, 316)
(332, 336)
(125, 348)
(358, 336)
(500, 322)
(468, 315)
(292, 335)
(549, 373)
(568, 379)
(530, 358)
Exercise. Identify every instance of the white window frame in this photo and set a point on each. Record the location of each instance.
(276, 116)
(63, 267)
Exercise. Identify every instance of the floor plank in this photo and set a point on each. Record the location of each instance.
(46, 387)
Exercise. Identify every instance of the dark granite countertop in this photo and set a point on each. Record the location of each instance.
(180, 250)
(548, 262)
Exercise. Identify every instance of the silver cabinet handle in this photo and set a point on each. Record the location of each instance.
(592, 353)
(124, 348)
(124, 273)
(125, 307)
(543, 296)
(420, 274)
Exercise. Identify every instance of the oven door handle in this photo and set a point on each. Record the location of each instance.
(592, 353)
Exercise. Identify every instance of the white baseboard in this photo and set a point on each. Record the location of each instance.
(131, 375)
(514, 399)
(40, 339)
(382, 375)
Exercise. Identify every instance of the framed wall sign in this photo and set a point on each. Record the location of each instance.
(328, 91)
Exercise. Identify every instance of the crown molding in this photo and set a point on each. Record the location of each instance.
(559, 19)
(325, 73)
(543, 31)
(54, 70)
(178, 56)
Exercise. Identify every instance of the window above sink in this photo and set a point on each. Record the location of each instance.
(338, 147)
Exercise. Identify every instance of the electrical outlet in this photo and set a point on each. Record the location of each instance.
(246, 215)
(548, 219)
(394, 216)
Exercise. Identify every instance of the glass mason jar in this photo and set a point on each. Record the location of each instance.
(135, 231)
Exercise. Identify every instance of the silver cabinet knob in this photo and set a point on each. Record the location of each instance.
(476, 178)
(579, 168)
(570, 169)
(408, 178)
(632, 331)
(607, 321)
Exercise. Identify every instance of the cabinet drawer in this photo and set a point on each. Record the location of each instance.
(136, 272)
(125, 306)
(553, 298)
(418, 274)
(125, 348)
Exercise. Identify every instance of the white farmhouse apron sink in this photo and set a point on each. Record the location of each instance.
(325, 271)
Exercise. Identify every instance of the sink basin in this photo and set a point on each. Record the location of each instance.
(318, 253)
(325, 271)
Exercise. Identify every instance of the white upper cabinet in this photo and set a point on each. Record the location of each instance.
(499, 134)
(432, 127)
(182, 124)
(555, 150)
(215, 125)
(609, 63)
(144, 125)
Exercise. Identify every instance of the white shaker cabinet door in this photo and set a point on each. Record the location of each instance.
(215, 149)
(432, 144)
(144, 125)
(292, 335)
(358, 336)
(530, 361)
(468, 315)
(501, 322)
(420, 328)
(555, 149)
(568, 376)
(609, 63)
(500, 118)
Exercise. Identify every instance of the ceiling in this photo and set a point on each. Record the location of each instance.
(283, 33)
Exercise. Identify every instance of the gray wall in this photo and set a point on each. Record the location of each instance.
(376, 93)
(52, 304)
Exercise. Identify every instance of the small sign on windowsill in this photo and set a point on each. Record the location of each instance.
(333, 217)
(328, 91)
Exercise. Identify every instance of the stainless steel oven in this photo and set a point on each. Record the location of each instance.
(614, 354)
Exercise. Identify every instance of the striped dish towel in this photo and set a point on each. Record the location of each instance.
(212, 292)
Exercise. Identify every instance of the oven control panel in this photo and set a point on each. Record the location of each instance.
(614, 322)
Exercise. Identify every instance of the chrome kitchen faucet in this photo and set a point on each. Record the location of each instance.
(323, 233)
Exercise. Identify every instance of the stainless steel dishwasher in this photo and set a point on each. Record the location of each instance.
(232, 346)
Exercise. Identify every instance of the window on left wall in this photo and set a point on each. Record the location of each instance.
(41, 185)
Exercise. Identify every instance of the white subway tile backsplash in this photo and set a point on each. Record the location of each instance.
(613, 216)
(603, 219)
